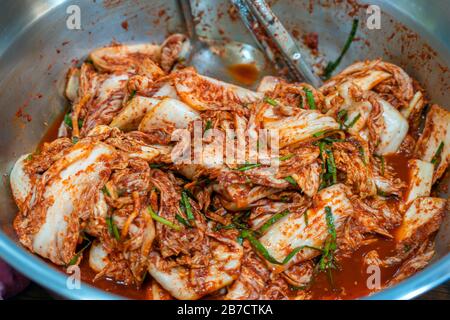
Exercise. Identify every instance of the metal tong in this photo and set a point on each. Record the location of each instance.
(275, 40)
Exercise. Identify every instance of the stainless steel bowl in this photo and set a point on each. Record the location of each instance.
(37, 47)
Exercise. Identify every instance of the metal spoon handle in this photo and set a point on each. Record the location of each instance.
(259, 34)
(186, 10)
(283, 40)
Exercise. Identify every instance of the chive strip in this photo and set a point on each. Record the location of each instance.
(327, 259)
(319, 134)
(78, 254)
(68, 121)
(238, 220)
(247, 234)
(106, 191)
(249, 166)
(75, 140)
(291, 181)
(333, 65)
(159, 219)
(297, 250)
(182, 220)
(287, 157)
(382, 193)
(437, 156)
(342, 117)
(305, 217)
(323, 174)
(272, 221)
(322, 150)
(310, 99)
(208, 125)
(355, 119)
(187, 205)
(362, 155)
(330, 222)
(227, 227)
(133, 93)
(112, 228)
(296, 288)
(271, 101)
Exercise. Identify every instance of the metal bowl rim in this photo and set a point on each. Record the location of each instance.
(39, 271)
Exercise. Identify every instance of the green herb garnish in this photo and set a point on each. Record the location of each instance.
(226, 227)
(132, 94)
(78, 254)
(437, 156)
(291, 181)
(208, 125)
(272, 221)
(112, 227)
(310, 99)
(187, 205)
(106, 191)
(382, 193)
(362, 154)
(240, 221)
(296, 288)
(342, 117)
(329, 170)
(333, 65)
(319, 134)
(159, 219)
(287, 157)
(258, 246)
(327, 261)
(68, 121)
(352, 123)
(156, 165)
(182, 220)
(271, 101)
(249, 166)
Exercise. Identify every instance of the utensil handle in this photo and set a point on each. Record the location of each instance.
(186, 10)
(285, 43)
(259, 34)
